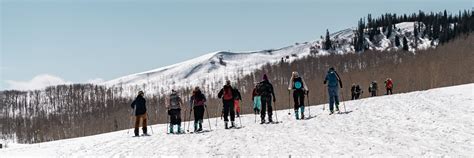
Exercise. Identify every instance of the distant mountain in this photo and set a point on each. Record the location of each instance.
(214, 68)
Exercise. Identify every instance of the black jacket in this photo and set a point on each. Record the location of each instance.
(139, 105)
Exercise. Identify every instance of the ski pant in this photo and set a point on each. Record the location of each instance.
(298, 97)
(143, 119)
(373, 93)
(237, 106)
(229, 109)
(353, 96)
(198, 113)
(175, 116)
(266, 105)
(257, 104)
(389, 91)
(357, 96)
(333, 97)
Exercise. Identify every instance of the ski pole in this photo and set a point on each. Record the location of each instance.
(343, 103)
(185, 116)
(217, 116)
(274, 111)
(309, 108)
(208, 119)
(168, 121)
(289, 106)
(189, 118)
(240, 120)
(151, 127)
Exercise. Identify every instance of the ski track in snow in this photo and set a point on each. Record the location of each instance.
(437, 122)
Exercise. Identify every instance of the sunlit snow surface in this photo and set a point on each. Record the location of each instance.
(437, 122)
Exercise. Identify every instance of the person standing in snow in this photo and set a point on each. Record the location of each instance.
(139, 106)
(174, 107)
(299, 88)
(265, 89)
(257, 102)
(198, 100)
(228, 97)
(238, 99)
(373, 88)
(355, 91)
(389, 86)
(334, 82)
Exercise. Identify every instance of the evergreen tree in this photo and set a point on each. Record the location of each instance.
(327, 43)
(397, 41)
(405, 44)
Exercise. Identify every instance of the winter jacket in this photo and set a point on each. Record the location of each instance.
(198, 99)
(389, 84)
(265, 89)
(227, 93)
(175, 101)
(237, 94)
(333, 79)
(139, 105)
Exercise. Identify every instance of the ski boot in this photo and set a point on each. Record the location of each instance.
(179, 129)
(226, 124)
(296, 115)
(232, 125)
(195, 126)
(171, 129)
(270, 120)
(262, 121)
(200, 126)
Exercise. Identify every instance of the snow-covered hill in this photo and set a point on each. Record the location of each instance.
(211, 70)
(432, 123)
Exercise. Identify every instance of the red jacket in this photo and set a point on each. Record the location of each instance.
(388, 84)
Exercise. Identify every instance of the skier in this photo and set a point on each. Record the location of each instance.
(355, 91)
(198, 100)
(228, 97)
(257, 102)
(333, 80)
(389, 86)
(238, 99)
(358, 92)
(299, 88)
(139, 106)
(265, 89)
(373, 88)
(174, 110)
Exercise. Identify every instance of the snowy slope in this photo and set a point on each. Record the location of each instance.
(437, 122)
(211, 70)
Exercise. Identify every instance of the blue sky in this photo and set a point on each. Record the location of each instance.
(83, 40)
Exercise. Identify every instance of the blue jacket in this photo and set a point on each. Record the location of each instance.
(333, 79)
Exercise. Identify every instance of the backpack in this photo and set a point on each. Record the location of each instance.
(228, 95)
(298, 83)
(332, 79)
(174, 101)
(264, 88)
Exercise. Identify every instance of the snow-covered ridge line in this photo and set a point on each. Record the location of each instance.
(212, 69)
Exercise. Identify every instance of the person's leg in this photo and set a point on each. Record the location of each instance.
(144, 123)
(331, 99)
(226, 111)
(264, 108)
(196, 118)
(270, 109)
(137, 125)
(232, 111)
(301, 100)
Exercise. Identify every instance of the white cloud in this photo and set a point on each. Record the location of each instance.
(96, 81)
(38, 82)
